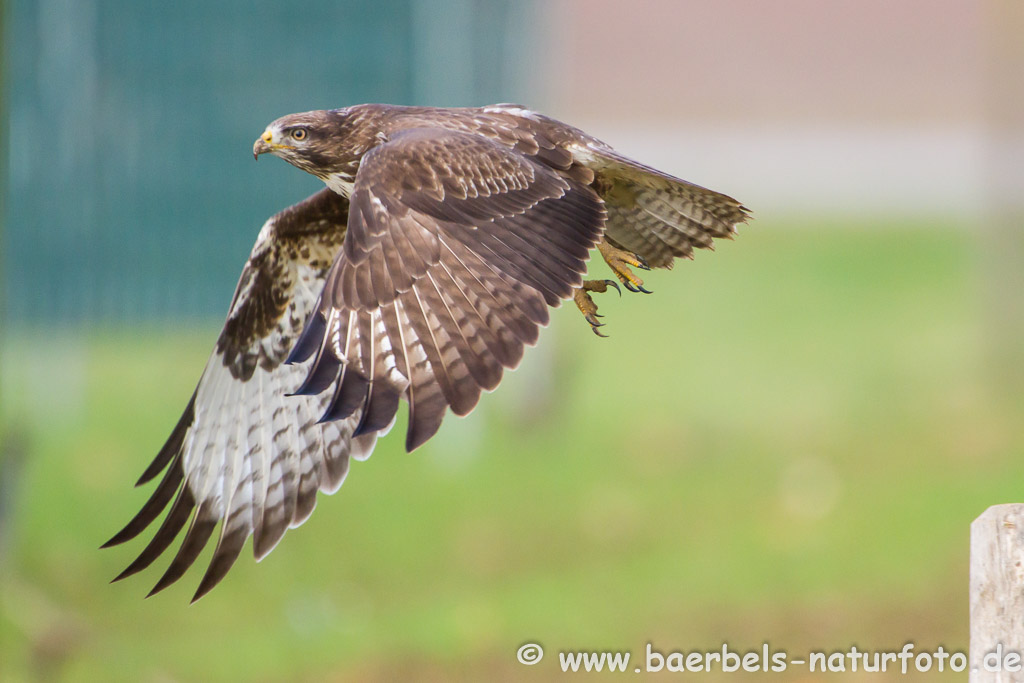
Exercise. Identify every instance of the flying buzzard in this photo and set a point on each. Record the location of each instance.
(420, 273)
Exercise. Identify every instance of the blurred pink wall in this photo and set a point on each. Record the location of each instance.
(838, 105)
(911, 61)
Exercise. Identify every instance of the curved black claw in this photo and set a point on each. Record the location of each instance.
(642, 262)
(635, 288)
(598, 332)
(614, 284)
(592, 320)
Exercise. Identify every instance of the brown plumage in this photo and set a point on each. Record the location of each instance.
(419, 274)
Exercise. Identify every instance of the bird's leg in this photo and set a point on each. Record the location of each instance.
(619, 261)
(587, 306)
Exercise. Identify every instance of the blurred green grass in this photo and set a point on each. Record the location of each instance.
(786, 442)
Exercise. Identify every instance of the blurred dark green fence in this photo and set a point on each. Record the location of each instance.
(131, 192)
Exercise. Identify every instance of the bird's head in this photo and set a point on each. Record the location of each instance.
(312, 141)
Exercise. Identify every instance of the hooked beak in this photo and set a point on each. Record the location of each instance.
(263, 144)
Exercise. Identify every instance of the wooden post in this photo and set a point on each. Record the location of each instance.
(997, 595)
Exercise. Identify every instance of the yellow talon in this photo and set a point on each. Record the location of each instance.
(619, 261)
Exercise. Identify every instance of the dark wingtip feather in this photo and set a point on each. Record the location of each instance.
(156, 503)
(309, 340)
(379, 412)
(349, 395)
(133, 568)
(195, 540)
(422, 426)
(228, 549)
(173, 522)
(320, 376)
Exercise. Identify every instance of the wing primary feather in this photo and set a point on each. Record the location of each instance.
(156, 503)
(426, 405)
(393, 332)
(427, 412)
(290, 463)
(165, 535)
(423, 424)
(274, 523)
(368, 356)
(271, 523)
(259, 457)
(484, 368)
(532, 311)
(195, 540)
(381, 401)
(335, 458)
(490, 328)
(380, 410)
(523, 327)
(309, 340)
(431, 346)
(324, 369)
(309, 484)
(276, 516)
(349, 395)
(321, 374)
(350, 390)
(228, 549)
(232, 535)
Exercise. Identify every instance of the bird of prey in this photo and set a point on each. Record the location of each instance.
(419, 273)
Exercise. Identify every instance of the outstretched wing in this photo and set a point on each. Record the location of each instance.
(244, 453)
(456, 246)
(654, 214)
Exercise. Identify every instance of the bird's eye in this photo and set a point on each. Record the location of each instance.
(300, 134)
